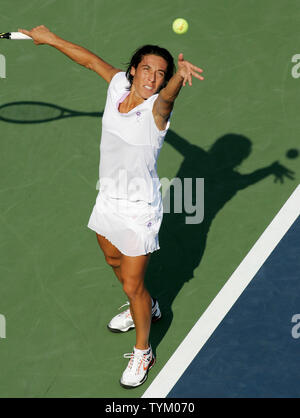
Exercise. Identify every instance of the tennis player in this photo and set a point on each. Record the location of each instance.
(128, 211)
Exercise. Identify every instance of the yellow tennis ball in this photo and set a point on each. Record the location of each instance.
(180, 26)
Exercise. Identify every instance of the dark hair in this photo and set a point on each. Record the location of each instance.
(151, 50)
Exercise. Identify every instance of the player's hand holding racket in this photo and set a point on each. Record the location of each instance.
(40, 35)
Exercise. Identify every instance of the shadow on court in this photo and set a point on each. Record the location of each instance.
(182, 245)
(38, 112)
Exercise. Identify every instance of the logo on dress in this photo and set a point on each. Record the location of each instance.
(149, 224)
(138, 116)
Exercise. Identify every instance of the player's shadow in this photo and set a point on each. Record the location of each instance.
(182, 245)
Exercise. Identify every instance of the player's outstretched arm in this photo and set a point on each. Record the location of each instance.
(43, 36)
(165, 101)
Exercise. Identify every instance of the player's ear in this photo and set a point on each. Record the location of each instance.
(132, 71)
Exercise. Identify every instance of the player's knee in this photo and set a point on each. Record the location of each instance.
(113, 261)
(132, 287)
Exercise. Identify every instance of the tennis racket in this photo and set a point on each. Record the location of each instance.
(14, 35)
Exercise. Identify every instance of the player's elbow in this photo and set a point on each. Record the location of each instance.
(92, 63)
(89, 66)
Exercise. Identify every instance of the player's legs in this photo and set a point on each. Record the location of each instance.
(133, 271)
(112, 255)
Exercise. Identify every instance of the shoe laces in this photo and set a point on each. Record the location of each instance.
(131, 356)
(125, 304)
(137, 359)
(127, 312)
(154, 307)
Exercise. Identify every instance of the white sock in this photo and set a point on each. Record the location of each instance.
(138, 351)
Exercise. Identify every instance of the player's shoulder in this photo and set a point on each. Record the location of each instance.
(119, 80)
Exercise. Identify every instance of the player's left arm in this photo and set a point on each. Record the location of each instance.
(164, 103)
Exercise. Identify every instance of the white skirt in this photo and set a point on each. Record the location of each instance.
(132, 227)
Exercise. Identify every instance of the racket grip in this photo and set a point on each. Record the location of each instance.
(19, 35)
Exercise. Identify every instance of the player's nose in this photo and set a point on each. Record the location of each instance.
(152, 77)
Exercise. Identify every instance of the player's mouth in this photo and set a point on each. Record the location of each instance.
(148, 88)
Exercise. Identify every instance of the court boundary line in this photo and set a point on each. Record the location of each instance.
(225, 299)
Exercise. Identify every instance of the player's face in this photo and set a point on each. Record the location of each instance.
(149, 75)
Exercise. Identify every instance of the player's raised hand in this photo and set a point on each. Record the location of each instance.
(280, 172)
(40, 34)
(187, 70)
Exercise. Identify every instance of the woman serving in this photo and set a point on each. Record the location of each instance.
(128, 211)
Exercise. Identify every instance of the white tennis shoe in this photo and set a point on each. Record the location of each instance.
(138, 367)
(123, 322)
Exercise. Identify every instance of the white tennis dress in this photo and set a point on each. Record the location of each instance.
(128, 210)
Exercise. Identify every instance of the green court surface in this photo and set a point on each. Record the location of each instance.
(56, 291)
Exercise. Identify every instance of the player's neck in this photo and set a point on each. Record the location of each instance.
(135, 97)
(131, 101)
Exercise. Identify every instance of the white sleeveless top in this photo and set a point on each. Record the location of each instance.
(130, 146)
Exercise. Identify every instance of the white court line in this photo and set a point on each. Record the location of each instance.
(225, 299)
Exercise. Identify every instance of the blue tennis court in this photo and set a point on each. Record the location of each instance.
(253, 352)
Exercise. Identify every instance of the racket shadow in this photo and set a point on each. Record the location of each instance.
(28, 112)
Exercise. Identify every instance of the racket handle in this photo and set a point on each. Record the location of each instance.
(18, 35)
